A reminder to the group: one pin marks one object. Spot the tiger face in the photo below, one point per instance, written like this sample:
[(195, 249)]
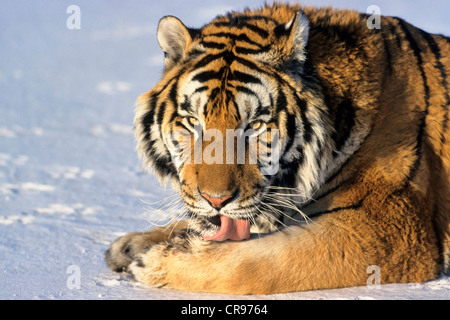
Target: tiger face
[(236, 118)]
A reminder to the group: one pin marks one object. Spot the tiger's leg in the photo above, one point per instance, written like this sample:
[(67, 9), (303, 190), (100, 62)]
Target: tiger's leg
[(333, 251), (124, 249)]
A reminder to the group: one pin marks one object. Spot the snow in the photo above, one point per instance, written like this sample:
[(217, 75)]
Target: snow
[(70, 180)]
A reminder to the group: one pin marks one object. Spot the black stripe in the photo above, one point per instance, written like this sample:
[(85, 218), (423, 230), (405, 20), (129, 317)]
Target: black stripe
[(258, 109), (261, 32), (354, 206), (250, 65), (396, 34), (186, 105), (236, 20), (149, 118), (307, 128), (207, 60), (241, 50), (440, 245), (161, 111), (291, 128), (281, 102), (228, 56), (230, 100), (231, 105), (179, 123), (165, 166), (319, 154), (437, 54), (271, 99), (344, 121), (253, 66), (173, 94), (263, 111), (387, 51), (150, 150), (231, 36), (229, 97), (290, 173), (160, 118), (444, 130), (212, 45), (210, 75), (201, 89), (245, 77), (173, 116), (417, 53), (147, 122), (213, 96), (247, 91)]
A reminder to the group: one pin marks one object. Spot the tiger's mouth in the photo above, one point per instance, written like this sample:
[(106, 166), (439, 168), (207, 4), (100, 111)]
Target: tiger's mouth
[(228, 229), (215, 220)]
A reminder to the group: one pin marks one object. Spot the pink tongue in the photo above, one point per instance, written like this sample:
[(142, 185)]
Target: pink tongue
[(231, 229)]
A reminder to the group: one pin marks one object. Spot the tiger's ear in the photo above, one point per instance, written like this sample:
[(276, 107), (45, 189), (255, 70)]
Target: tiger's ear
[(174, 38), (295, 34)]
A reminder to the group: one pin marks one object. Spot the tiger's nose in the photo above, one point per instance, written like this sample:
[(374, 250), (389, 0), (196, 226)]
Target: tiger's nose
[(217, 202)]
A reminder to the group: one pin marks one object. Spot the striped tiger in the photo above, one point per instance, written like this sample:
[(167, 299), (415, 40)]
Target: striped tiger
[(362, 177)]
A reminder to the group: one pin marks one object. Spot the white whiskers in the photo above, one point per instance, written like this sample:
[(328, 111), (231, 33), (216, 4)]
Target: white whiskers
[(165, 211), (279, 198)]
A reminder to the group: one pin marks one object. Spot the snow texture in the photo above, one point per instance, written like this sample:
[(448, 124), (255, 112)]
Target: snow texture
[(70, 180)]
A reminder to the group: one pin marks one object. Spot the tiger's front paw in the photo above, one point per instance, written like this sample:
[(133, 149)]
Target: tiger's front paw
[(162, 264), (123, 250)]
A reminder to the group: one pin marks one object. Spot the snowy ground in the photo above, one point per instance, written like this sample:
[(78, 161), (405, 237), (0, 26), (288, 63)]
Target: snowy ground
[(70, 181)]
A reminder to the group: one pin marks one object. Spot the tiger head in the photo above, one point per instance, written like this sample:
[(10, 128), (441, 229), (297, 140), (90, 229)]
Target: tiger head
[(242, 80)]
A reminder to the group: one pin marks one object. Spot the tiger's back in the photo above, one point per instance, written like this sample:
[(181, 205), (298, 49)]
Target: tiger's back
[(398, 73)]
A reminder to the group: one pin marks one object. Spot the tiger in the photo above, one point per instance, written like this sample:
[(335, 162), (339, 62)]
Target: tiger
[(360, 191)]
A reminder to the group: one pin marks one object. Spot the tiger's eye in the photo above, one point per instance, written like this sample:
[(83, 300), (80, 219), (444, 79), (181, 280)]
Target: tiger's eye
[(193, 121), (256, 125)]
